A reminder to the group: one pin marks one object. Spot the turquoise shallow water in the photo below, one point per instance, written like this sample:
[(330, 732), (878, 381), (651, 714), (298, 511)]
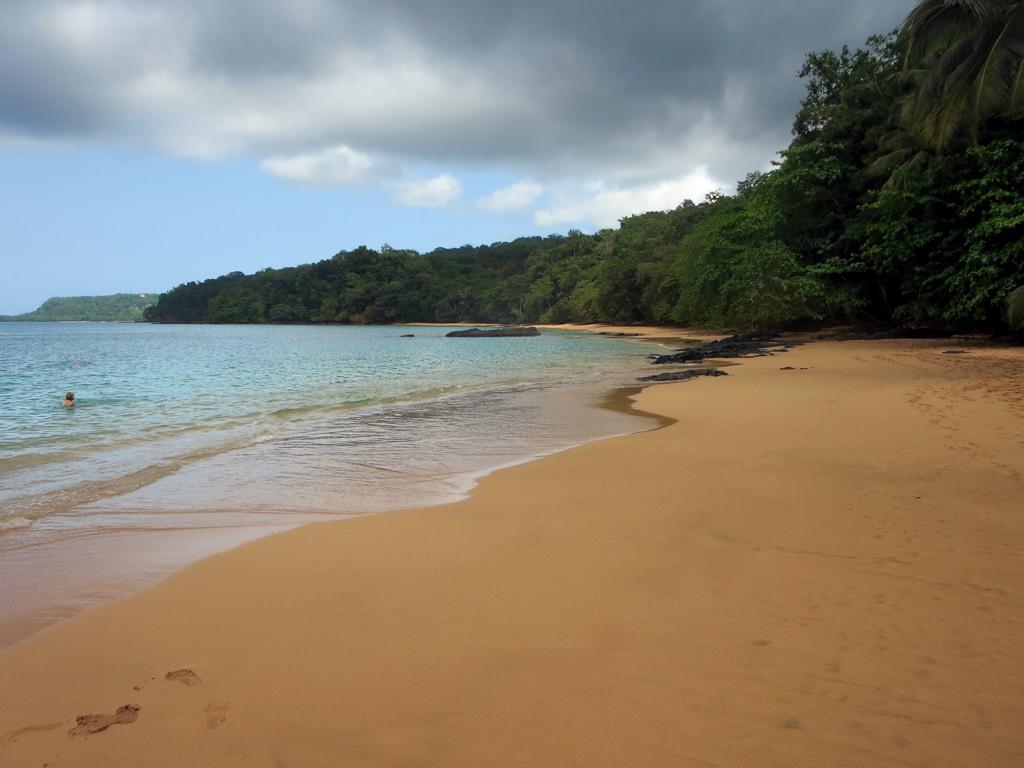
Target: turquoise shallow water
[(219, 433)]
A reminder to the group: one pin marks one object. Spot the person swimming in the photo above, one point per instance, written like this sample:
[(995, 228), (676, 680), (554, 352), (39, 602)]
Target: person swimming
[(69, 400)]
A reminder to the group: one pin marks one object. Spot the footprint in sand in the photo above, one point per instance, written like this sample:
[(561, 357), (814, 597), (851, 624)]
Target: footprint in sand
[(12, 736), (90, 724), (216, 714), (183, 676)]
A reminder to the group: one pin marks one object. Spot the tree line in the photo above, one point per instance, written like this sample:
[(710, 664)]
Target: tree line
[(899, 201), (121, 307)]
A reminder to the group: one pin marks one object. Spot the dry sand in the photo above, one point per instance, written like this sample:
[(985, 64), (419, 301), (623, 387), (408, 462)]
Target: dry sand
[(648, 332), (814, 567)]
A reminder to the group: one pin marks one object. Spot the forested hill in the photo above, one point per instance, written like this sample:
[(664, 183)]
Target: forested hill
[(900, 200), (118, 306)]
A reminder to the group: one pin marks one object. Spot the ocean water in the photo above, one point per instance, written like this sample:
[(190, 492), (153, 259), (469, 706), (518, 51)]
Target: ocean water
[(185, 440)]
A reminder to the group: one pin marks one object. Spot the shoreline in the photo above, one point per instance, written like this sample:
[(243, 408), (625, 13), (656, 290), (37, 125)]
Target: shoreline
[(806, 567), (193, 545), (114, 563)]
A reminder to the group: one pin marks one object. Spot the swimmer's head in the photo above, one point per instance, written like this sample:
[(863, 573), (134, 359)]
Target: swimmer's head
[(69, 396)]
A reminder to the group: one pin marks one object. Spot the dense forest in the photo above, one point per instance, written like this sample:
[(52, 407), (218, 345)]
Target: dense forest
[(118, 306), (899, 202)]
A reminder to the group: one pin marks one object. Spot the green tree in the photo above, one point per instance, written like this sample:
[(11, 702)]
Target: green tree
[(734, 270)]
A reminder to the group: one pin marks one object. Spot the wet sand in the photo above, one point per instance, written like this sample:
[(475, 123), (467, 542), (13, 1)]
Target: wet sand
[(54, 581), (821, 566)]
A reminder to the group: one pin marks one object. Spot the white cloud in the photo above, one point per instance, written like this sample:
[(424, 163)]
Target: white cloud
[(604, 204), (438, 192), (518, 195), (532, 88), (336, 166)]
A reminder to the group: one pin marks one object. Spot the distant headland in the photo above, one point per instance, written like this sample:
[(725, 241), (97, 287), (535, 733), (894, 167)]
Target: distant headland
[(124, 307)]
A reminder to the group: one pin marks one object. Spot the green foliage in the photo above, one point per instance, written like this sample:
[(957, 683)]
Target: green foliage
[(734, 270), (947, 243), (838, 83), (116, 307), (992, 210), (621, 275)]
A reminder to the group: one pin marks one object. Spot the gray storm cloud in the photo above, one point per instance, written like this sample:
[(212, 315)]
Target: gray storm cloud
[(630, 93)]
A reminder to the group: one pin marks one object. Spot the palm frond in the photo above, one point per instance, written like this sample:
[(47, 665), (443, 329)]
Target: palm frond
[(933, 26), (902, 175), (965, 64), (888, 163), (1017, 89), (895, 140), (1005, 43), (983, 8), (1015, 309), (938, 109)]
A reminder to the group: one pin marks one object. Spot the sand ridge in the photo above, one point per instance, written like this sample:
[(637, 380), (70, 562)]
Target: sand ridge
[(818, 566)]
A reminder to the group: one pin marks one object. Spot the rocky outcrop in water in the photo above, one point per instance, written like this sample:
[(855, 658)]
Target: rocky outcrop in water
[(488, 333)]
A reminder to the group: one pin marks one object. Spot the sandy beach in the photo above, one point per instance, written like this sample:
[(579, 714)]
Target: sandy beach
[(820, 566)]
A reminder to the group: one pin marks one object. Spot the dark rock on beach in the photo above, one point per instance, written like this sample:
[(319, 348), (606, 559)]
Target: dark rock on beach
[(753, 344), (693, 373), (617, 333), (478, 333)]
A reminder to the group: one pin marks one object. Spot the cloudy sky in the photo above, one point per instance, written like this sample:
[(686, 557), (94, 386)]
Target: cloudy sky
[(145, 143)]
